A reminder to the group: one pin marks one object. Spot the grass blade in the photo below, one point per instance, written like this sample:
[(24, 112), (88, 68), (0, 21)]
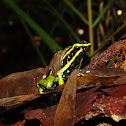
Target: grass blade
[(53, 10), (90, 26), (34, 45), (45, 37), (76, 11)]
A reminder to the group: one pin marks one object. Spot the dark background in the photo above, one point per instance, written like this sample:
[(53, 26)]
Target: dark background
[(16, 50)]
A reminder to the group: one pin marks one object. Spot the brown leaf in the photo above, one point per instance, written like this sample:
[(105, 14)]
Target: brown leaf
[(94, 77), (105, 77), (84, 103), (118, 91), (94, 80), (104, 72), (83, 106), (85, 100), (10, 101), (66, 108), (21, 83)]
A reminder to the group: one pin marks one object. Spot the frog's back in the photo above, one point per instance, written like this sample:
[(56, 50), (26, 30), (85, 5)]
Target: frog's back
[(57, 61)]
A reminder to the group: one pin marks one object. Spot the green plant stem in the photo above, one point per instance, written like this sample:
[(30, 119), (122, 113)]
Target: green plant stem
[(33, 43), (45, 37), (91, 38), (76, 11)]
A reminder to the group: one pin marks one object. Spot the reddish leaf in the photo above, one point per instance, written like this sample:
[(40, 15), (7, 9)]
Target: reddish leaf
[(46, 116), (118, 91), (112, 106), (109, 54), (84, 103)]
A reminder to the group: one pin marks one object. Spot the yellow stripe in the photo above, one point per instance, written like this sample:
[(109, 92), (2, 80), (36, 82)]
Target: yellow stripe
[(76, 45), (69, 63)]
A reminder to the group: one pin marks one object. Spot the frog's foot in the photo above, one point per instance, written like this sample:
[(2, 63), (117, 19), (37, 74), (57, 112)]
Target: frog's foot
[(80, 74), (40, 89)]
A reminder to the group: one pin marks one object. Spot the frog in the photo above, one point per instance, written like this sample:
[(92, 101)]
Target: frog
[(62, 65)]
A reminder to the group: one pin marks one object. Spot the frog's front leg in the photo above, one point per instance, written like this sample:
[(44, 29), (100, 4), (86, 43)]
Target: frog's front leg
[(45, 83), (41, 84), (60, 73)]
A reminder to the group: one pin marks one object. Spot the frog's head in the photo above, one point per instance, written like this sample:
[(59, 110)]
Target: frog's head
[(77, 51), (83, 45)]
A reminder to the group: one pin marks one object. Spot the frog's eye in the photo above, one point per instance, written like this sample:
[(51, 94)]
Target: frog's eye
[(85, 48), (76, 48)]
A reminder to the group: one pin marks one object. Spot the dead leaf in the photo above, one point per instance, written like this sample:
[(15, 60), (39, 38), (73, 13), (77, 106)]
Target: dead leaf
[(10, 101), (84, 103), (112, 106), (85, 99), (118, 91), (66, 108), (94, 80), (46, 116), (21, 83), (115, 52), (104, 72), (83, 106)]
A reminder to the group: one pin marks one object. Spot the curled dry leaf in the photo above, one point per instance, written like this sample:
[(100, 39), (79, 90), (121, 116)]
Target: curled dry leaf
[(66, 108), (104, 72), (95, 77)]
